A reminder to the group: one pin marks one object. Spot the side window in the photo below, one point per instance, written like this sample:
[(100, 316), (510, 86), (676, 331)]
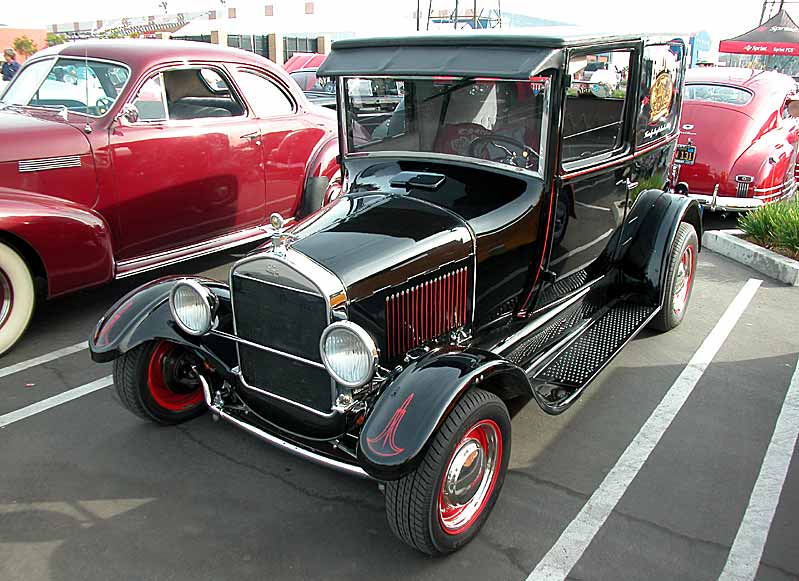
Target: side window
[(593, 122), (264, 96), (150, 100), (659, 108), (199, 93)]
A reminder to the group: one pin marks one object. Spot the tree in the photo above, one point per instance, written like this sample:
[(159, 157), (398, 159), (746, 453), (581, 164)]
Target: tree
[(24, 46), (54, 39)]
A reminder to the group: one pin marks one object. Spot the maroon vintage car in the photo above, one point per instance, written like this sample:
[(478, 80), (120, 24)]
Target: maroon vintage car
[(737, 147), (117, 157)]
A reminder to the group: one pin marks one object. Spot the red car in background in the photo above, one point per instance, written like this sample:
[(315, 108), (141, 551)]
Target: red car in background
[(118, 157), (737, 145)]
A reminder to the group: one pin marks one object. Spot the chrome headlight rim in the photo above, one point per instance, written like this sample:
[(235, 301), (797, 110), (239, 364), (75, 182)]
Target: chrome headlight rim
[(208, 300), (364, 337)]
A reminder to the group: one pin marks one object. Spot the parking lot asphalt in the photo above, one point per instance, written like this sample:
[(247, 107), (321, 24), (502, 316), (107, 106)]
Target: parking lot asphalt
[(88, 491)]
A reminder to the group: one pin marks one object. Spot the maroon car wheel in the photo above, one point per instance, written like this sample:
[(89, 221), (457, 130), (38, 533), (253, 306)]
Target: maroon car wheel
[(159, 381), (679, 279), (443, 503), (17, 297)]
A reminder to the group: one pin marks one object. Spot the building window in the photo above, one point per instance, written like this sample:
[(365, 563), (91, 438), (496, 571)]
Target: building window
[(231, 13), (309, 7), (269, 10), (212, 15)]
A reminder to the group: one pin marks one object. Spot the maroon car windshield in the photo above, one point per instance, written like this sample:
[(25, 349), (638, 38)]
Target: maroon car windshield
[(488, 119)]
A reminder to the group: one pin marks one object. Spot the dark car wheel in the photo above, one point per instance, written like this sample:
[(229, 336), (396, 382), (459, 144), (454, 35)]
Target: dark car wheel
[(679, 279), (440, 506), (158, 381)]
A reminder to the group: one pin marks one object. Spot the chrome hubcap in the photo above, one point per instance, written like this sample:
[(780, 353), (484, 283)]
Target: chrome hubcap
[(682, 280), (6, 297), (469, 477)]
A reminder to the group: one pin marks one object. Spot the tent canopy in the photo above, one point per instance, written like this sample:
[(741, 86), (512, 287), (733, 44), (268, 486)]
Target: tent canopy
[(778, 35)]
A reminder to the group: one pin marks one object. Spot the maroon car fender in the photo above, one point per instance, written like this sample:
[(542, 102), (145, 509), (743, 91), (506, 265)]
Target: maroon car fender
[(767, 161), (72, 243), (321, 168)]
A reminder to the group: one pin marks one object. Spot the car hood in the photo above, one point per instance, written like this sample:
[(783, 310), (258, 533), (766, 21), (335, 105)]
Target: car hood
[(377, 241), (25, 135), (703, 124)]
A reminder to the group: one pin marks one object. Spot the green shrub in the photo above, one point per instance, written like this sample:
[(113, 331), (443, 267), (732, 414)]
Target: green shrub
[(774, 226)]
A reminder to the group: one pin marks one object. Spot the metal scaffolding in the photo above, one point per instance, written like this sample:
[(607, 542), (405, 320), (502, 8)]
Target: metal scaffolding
[(476, 17)]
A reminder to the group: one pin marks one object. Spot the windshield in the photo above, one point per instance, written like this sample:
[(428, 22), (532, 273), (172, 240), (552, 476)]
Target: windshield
[(717, 94), (495, 120), (89, 87)]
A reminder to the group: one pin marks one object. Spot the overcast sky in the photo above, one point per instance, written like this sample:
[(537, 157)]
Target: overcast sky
[(723, 18)]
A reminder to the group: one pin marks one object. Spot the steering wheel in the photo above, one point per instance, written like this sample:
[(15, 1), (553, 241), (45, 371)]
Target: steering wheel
[(514, 152), (104, 104)]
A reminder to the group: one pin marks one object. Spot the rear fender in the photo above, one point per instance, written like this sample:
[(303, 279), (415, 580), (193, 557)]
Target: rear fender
[(320, 170), (143, 315), (418, 400), (649, 235), (73, 243)]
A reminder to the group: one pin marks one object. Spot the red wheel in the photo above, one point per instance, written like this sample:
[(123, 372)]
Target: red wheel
[(159, 381), (443, 503), (679, 279)]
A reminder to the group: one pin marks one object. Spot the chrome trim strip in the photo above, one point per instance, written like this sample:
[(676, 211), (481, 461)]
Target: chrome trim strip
[(46, 163), (783, 185), (267, 349), (128, 268), (534, 325), (280, 443), (291, 288)]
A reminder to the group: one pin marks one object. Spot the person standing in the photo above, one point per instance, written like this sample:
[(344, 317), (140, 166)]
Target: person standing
[(11, 66)]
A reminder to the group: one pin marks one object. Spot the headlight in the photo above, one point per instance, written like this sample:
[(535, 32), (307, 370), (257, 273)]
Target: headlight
[(192, 307), (349, 353)]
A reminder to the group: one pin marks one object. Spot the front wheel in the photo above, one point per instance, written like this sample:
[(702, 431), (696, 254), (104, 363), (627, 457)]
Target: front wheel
[(679, 278), (17, 297), (159, 381), (441, 506)]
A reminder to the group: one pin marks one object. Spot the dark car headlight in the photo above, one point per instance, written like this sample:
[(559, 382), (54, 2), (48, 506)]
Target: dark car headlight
[(193, 307), (349, 353)]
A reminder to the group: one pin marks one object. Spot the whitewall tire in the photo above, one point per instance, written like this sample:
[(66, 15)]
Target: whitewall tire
[(17, 297)]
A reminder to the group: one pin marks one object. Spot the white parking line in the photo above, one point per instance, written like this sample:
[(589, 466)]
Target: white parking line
[(747, 548), (573, 542), (56, 400), (23, 365)]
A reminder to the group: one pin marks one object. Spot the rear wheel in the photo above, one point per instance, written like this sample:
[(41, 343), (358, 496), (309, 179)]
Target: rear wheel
[(17, 297), (159, 381), (441, 506), (679, 278)]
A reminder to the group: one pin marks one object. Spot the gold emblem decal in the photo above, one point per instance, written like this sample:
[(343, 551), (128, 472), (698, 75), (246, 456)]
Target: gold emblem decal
[(660, 96)]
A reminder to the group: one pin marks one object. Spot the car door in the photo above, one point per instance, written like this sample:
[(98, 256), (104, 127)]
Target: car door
[(288, 136), (594, 177), (190, 169)]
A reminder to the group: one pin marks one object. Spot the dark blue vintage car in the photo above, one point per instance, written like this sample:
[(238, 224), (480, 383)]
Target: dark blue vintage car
[(499, 238)]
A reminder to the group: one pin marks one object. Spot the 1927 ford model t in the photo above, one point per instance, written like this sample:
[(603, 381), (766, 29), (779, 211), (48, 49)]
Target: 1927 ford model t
[(500, 237)]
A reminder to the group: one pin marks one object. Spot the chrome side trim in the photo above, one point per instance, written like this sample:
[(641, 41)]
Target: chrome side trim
[(267, 349), (134, 266), (279, 442), (538, 322), (46, 163)]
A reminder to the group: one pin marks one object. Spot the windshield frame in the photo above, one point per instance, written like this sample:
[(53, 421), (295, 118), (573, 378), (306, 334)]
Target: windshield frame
[(544, 145), (55, 58)]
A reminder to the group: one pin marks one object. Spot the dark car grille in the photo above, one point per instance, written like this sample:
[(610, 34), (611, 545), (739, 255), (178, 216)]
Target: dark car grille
[(426, 310), (291, 322)]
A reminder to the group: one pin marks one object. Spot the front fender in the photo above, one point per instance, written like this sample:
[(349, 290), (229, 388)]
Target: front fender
[(72, 242), (419, 399), (143, 315), (648, 237)]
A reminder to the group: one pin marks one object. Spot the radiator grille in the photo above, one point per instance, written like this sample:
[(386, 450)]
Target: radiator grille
[(743, 190), (425, 311)]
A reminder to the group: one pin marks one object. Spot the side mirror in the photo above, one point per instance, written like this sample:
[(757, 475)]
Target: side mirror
[(129, 113)]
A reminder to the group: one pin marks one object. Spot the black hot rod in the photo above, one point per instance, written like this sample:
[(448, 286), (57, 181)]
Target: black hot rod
[(499, 239)]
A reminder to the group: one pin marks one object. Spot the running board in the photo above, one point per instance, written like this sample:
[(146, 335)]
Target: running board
[(561, 374)]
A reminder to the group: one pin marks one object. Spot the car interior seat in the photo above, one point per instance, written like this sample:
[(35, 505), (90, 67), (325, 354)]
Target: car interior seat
[(189, 98)]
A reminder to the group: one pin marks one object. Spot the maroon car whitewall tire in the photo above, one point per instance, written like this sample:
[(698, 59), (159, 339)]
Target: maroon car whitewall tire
[(17, 297)]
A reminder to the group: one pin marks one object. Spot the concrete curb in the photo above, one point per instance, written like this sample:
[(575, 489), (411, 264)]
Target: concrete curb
[(728, 243)]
